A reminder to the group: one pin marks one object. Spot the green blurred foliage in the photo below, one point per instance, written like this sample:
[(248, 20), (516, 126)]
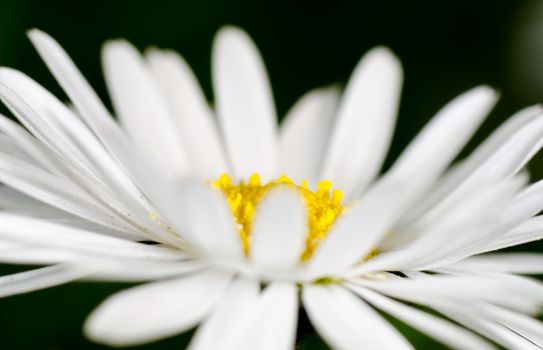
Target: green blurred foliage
[(446, 47)]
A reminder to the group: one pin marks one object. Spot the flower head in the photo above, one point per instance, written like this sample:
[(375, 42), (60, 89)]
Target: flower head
[(236, 222)]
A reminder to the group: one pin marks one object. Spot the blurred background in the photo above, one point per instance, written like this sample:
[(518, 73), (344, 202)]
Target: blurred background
[(446, 48)]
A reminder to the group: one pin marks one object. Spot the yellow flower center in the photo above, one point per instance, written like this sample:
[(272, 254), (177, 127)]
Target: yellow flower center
[(323, 206)]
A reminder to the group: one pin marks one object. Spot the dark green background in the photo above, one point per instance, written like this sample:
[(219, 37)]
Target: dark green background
[(446, 47)]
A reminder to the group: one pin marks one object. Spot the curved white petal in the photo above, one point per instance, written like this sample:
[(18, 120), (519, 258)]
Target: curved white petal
[(85, 100), (495, 332), (156, 310), (365, 122), (9, 146), (358, 230), (75, 160), (525, 326), (519, 211), (524, 263), (29, 144), (505, 162), (279, 230), (274, 324), (244, 104), (194, 120), (73, 149), (231, 320), (95, 114), (42, 278), (15, 201), (205, 219), (141, 108), (44, 233), (498, 148), (12, 252), (436, 291), (346, 322), (83, 224), (529, 231), (446, 134), (305, 132), (142, 270), (55, 191), (500, 229), (464, 224), (142, 168), (440, 329)]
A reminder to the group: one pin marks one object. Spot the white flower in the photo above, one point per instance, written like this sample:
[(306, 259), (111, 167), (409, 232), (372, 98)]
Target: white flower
[(146, 200)]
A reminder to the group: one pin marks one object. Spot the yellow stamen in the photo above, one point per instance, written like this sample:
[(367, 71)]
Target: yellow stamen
[(323, 208), (372, 254)]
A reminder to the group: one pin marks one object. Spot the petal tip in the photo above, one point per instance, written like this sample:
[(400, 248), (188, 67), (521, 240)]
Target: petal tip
[(384, 54), (231, 35), (118, 44), (35, 33), (487, 90), (230, 29)]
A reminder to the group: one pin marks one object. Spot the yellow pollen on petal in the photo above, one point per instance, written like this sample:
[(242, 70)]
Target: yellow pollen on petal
[(323, 206)]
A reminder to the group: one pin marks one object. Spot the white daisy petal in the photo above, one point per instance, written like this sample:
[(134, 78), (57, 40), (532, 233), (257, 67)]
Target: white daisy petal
[(495, 332), (244, 105), (15, 201), (143, 271), (194, 119), (529, 231), (8, 146), (304, 134), (520, 209), (86, 225), (443, 138), (45, 277), (526, 326), (508, 149), (365, 122), (279, 230), (462, 225), (440, 329), (53, 190), (519, 224), (12, 252), (29, 102), (46, 234), (26, 142), (59, 128), (26, 253), (357, 231), (217, 238), (42, 188), (82, 158), (525, 263), (78, 89), (157, 310), (141, 167), (92, 110), (346, 322), (511, 157), (506, 162), (229, 323), (141, 108), (446, 290), (274, 326), (156, 187)]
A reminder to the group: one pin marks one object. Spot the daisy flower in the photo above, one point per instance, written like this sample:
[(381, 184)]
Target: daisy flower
[(237, 223)]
